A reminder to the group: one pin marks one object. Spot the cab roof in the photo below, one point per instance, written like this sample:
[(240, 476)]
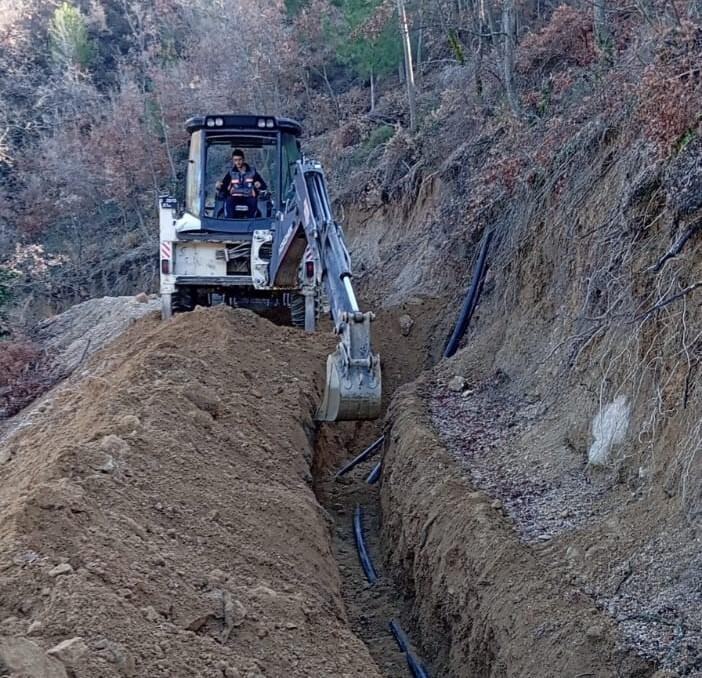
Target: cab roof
[(255, 123)]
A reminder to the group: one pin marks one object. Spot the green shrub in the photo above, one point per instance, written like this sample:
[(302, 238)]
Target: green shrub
[(380, 135), (6, 279), (70, 43)]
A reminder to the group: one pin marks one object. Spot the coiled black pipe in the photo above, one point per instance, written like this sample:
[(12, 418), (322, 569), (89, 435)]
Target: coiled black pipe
[(363, 556), (471, 299), (374, 474), (373, 447), (415, 666)]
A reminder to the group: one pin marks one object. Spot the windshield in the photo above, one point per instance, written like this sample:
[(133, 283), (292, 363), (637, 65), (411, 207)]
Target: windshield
[(192, 184), (249, 189)]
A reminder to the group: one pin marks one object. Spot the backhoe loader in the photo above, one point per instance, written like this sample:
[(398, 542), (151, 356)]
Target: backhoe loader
[(276, 249)]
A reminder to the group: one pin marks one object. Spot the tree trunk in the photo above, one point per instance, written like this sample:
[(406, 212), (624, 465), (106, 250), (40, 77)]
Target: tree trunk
[(166, 142), (420, 40), (603, 40), (372, 91), (409, 70), (479, 63), (487, 19), (481, 28), (330, 89), (508, 54)]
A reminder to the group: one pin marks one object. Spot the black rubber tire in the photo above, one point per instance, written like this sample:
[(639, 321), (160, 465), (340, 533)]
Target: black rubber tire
[(181, 300), (297, 310), (185, 299), (297, 307)]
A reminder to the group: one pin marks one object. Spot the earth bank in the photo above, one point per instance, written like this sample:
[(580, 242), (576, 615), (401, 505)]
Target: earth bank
[(158, 513)]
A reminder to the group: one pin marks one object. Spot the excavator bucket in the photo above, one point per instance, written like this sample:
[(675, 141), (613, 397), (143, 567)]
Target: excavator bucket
[(351, 391)]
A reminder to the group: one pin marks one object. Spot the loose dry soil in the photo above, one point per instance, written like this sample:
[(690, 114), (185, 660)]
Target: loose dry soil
[(159, 515)]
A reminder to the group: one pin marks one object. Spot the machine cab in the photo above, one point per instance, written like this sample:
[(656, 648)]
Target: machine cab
[(270, 147)]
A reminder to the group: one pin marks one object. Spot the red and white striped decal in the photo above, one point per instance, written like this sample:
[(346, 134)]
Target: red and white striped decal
[(165, 250)]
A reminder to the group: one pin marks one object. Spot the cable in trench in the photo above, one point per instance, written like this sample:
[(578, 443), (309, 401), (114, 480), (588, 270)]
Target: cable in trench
[(363, 555), (415, 666), (370, 450)]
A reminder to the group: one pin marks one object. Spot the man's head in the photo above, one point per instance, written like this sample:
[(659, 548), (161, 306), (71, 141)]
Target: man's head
[(238, 159)]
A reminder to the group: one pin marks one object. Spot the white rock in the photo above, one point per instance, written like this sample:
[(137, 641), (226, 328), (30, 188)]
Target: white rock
[(457, 384), (35, 627), (23, 657), (595, 632), (406, 324), (63, 568), (69, 651), (110, 466), (113, 444), (150, 613), (129, 422), (608, 429)]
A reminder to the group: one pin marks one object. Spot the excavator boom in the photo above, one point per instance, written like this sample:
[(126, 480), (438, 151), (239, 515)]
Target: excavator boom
[(353, 383)]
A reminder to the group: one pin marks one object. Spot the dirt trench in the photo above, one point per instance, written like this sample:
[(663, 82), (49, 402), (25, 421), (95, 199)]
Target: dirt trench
[(401, 335), (171, 510)]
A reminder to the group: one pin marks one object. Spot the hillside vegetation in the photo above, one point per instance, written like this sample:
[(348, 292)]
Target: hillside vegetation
[(93, 96)]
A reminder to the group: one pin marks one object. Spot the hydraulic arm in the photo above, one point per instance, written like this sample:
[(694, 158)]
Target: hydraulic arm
[(353, 385)]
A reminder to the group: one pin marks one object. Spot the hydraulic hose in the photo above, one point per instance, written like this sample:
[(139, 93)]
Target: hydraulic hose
[(372, 448), (374, 474), (471, 299), (363, 556)]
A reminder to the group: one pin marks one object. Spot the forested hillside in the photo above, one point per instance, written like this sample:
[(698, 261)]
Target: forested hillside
[(93, 96)]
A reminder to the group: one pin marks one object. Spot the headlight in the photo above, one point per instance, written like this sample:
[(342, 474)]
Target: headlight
[(261, 122), (210, 122), (219, 122), (270, 123)]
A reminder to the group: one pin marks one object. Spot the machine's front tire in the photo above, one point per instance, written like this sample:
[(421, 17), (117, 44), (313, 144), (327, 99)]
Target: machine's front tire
[(182, 300), (185, 299), (297, 310), (306, 309)]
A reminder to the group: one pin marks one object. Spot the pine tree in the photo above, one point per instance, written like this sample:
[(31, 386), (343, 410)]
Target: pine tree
[(71, 46)]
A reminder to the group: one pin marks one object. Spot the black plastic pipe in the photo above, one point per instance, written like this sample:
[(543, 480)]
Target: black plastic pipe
[(415, 666), (471, 299), (374, 474), (363, 556), (373, 447), (400, 637)]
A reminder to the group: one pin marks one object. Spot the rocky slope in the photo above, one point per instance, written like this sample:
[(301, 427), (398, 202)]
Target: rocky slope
[(577, 404)]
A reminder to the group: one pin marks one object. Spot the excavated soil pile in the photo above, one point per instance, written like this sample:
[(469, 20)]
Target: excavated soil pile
[(157, 518)]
